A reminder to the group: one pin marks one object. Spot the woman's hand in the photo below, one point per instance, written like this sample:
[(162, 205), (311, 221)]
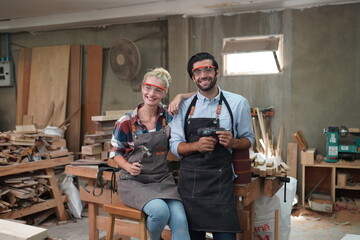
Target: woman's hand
[(135, 169)]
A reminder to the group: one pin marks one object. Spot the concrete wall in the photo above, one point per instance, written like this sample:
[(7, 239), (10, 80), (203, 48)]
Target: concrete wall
[(149, 37), (319, 86)]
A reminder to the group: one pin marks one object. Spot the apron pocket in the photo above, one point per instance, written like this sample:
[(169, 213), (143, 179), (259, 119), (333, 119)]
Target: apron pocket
[(198, 183)]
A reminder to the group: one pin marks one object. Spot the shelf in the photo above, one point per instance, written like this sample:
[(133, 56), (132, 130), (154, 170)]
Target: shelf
[(57, 199), (38, 165), (340, 164), (348, 187), (313, 173), (38, 207)]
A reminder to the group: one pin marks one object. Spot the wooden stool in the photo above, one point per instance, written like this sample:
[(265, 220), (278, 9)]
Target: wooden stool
[(120, 210)]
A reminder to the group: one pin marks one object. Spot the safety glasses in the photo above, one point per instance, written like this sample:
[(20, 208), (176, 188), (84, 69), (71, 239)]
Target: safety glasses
[(205, 69), (148, 87)]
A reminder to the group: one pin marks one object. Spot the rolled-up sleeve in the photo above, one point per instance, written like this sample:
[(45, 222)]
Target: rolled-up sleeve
[(119, 139), (244, 125), (177, 129)]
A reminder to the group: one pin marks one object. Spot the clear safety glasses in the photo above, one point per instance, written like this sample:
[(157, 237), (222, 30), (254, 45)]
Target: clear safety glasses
[(205, 69), (148, 87)]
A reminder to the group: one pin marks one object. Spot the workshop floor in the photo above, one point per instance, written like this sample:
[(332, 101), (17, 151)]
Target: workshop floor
[(313, 225), (305, 224)]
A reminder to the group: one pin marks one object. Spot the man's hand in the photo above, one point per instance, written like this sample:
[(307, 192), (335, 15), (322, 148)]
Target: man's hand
[(205, 144), (226, 138), (173, 107), (135, 169)]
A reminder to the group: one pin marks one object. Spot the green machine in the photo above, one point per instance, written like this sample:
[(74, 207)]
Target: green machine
[(335, 150)]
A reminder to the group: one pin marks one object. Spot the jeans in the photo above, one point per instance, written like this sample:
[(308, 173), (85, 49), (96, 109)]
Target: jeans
[(166, 211), (200, 235)]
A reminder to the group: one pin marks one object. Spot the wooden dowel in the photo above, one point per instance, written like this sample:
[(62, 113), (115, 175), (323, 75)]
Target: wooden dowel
[(276, 232)]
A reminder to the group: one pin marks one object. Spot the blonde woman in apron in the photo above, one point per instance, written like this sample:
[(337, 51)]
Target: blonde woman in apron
[(140, 145)]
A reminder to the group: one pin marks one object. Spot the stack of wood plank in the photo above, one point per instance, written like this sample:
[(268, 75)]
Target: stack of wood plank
[(22, 191), (97, 145), (268, 161), (27, 144), (263, 136), (269, 167)]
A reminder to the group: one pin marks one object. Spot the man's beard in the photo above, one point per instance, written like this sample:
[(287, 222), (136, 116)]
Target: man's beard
[(211, 85)]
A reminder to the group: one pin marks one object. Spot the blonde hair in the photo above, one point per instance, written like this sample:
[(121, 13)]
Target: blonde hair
[(161, 74)]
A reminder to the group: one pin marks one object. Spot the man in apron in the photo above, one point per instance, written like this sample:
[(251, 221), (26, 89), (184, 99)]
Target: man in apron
[(206, 175)]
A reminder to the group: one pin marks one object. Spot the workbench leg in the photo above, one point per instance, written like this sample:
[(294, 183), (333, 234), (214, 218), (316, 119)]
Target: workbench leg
[(110, 228), (248, 234), (246, 218), (57, 195), (93, 212)]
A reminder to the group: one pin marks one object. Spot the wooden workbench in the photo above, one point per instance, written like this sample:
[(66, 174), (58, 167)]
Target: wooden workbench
[(246, 195), (247, 192)]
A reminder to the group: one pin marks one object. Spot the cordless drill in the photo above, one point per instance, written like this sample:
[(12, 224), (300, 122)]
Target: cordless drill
[(209, 132)]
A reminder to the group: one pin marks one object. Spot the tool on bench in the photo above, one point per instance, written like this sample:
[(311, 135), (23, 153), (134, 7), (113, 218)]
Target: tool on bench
[(335, 150), (284, 180)]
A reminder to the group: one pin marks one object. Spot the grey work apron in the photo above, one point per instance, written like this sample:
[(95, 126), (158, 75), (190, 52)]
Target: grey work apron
[(205, 183), (155, 181)]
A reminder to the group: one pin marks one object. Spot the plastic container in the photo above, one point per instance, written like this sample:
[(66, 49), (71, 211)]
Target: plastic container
[(321, 202)]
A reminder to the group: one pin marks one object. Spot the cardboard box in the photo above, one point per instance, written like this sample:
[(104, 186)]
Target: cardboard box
[(308, 156), (342, 179), (321, 202)]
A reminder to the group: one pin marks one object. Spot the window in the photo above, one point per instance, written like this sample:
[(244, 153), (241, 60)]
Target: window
[(252, 55)]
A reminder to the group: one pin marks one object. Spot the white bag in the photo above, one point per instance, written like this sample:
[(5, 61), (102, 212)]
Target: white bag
[(73, 194), (264, 221), (286, 207), (264, 217)]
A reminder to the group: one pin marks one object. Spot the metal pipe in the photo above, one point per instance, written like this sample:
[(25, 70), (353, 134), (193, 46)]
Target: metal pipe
[(7, 47)]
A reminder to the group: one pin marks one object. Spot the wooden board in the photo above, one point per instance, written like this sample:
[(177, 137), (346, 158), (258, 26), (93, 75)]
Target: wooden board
[(35, 208), (18, 231), (87, 172), (291, 159), (249, 192), (31, 166), (92, 105), (105, 118), (271, 186), (91, 149), (107, 196), (117, 113), (23, 82), (48, 84), (73, 110), (298, 136)]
